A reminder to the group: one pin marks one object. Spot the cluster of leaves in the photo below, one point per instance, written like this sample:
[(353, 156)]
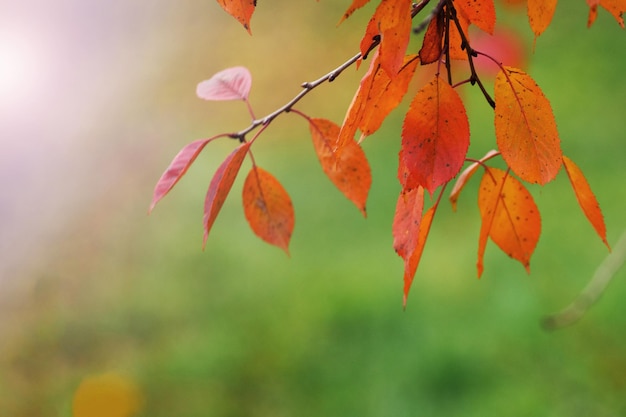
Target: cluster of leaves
[(434, 138)]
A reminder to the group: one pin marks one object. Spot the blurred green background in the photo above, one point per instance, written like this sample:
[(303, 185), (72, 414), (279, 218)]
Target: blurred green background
[(96, 100)]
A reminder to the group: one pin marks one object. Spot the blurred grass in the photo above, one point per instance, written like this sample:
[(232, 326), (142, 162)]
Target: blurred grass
[(240, 330)]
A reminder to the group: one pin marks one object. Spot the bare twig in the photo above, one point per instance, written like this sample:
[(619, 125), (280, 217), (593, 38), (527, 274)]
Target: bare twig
[(592, 292)]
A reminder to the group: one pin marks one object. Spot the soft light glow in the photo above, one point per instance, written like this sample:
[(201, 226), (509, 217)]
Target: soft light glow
[(22, 70)]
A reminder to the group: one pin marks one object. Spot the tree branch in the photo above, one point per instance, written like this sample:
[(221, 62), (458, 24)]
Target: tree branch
[(592, 292)]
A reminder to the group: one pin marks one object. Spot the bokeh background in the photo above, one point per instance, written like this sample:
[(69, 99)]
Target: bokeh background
[(95, 100)]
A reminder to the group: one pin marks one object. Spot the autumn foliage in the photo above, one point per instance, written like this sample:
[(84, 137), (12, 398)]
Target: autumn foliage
[(435, 134)]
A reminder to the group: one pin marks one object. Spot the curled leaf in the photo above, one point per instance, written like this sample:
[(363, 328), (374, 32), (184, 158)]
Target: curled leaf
[(586, 199), (230, 84), (465, 176), (220, 186), (509, 216), (268, 208), (526, 131), (345, 166)]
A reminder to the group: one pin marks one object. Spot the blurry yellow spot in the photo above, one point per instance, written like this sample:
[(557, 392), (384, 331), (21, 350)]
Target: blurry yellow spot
[(107, 395)]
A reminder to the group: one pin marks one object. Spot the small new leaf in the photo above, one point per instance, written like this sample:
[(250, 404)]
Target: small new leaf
[(509, 216), (586, 198), (220, 186), (268, 208), (526, 131), (345, 166), (230, 84)]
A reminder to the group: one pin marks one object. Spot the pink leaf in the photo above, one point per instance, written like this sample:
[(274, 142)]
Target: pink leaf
[(221, 184), (178, 167), (230, 84)]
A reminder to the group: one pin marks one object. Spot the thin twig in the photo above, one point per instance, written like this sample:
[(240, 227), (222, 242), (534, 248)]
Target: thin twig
[(307, 87), (592, 292), (471, 54), (433, 13)]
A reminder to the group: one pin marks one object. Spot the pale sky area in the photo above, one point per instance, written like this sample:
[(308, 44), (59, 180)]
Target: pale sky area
[(67, 68)]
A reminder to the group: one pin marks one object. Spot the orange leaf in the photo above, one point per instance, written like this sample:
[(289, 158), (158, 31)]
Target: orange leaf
[(392, 21), (466, 175), (376, 97), (356, 4), (268, 208), (615, 7), (526, 131), (239, 9), (410, 230), (435, 137), (586, 198), (346, 166), (540, 14), (432, 44), (481, 13), (509, 216), (220, 186)]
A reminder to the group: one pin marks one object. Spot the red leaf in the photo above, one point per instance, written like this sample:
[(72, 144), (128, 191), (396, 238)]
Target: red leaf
[(347, 166), (466, 175), (392, 21), (432, 44), (376, 97), (410, 230), (586, 198), (435, 137), (509, 216), (481, 13), (230, 84), (177, 168), (239, 9), (268, 208), (540, 14), (220, 186), (526, 131), (615, 7), (406, 222), (356, 4)]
